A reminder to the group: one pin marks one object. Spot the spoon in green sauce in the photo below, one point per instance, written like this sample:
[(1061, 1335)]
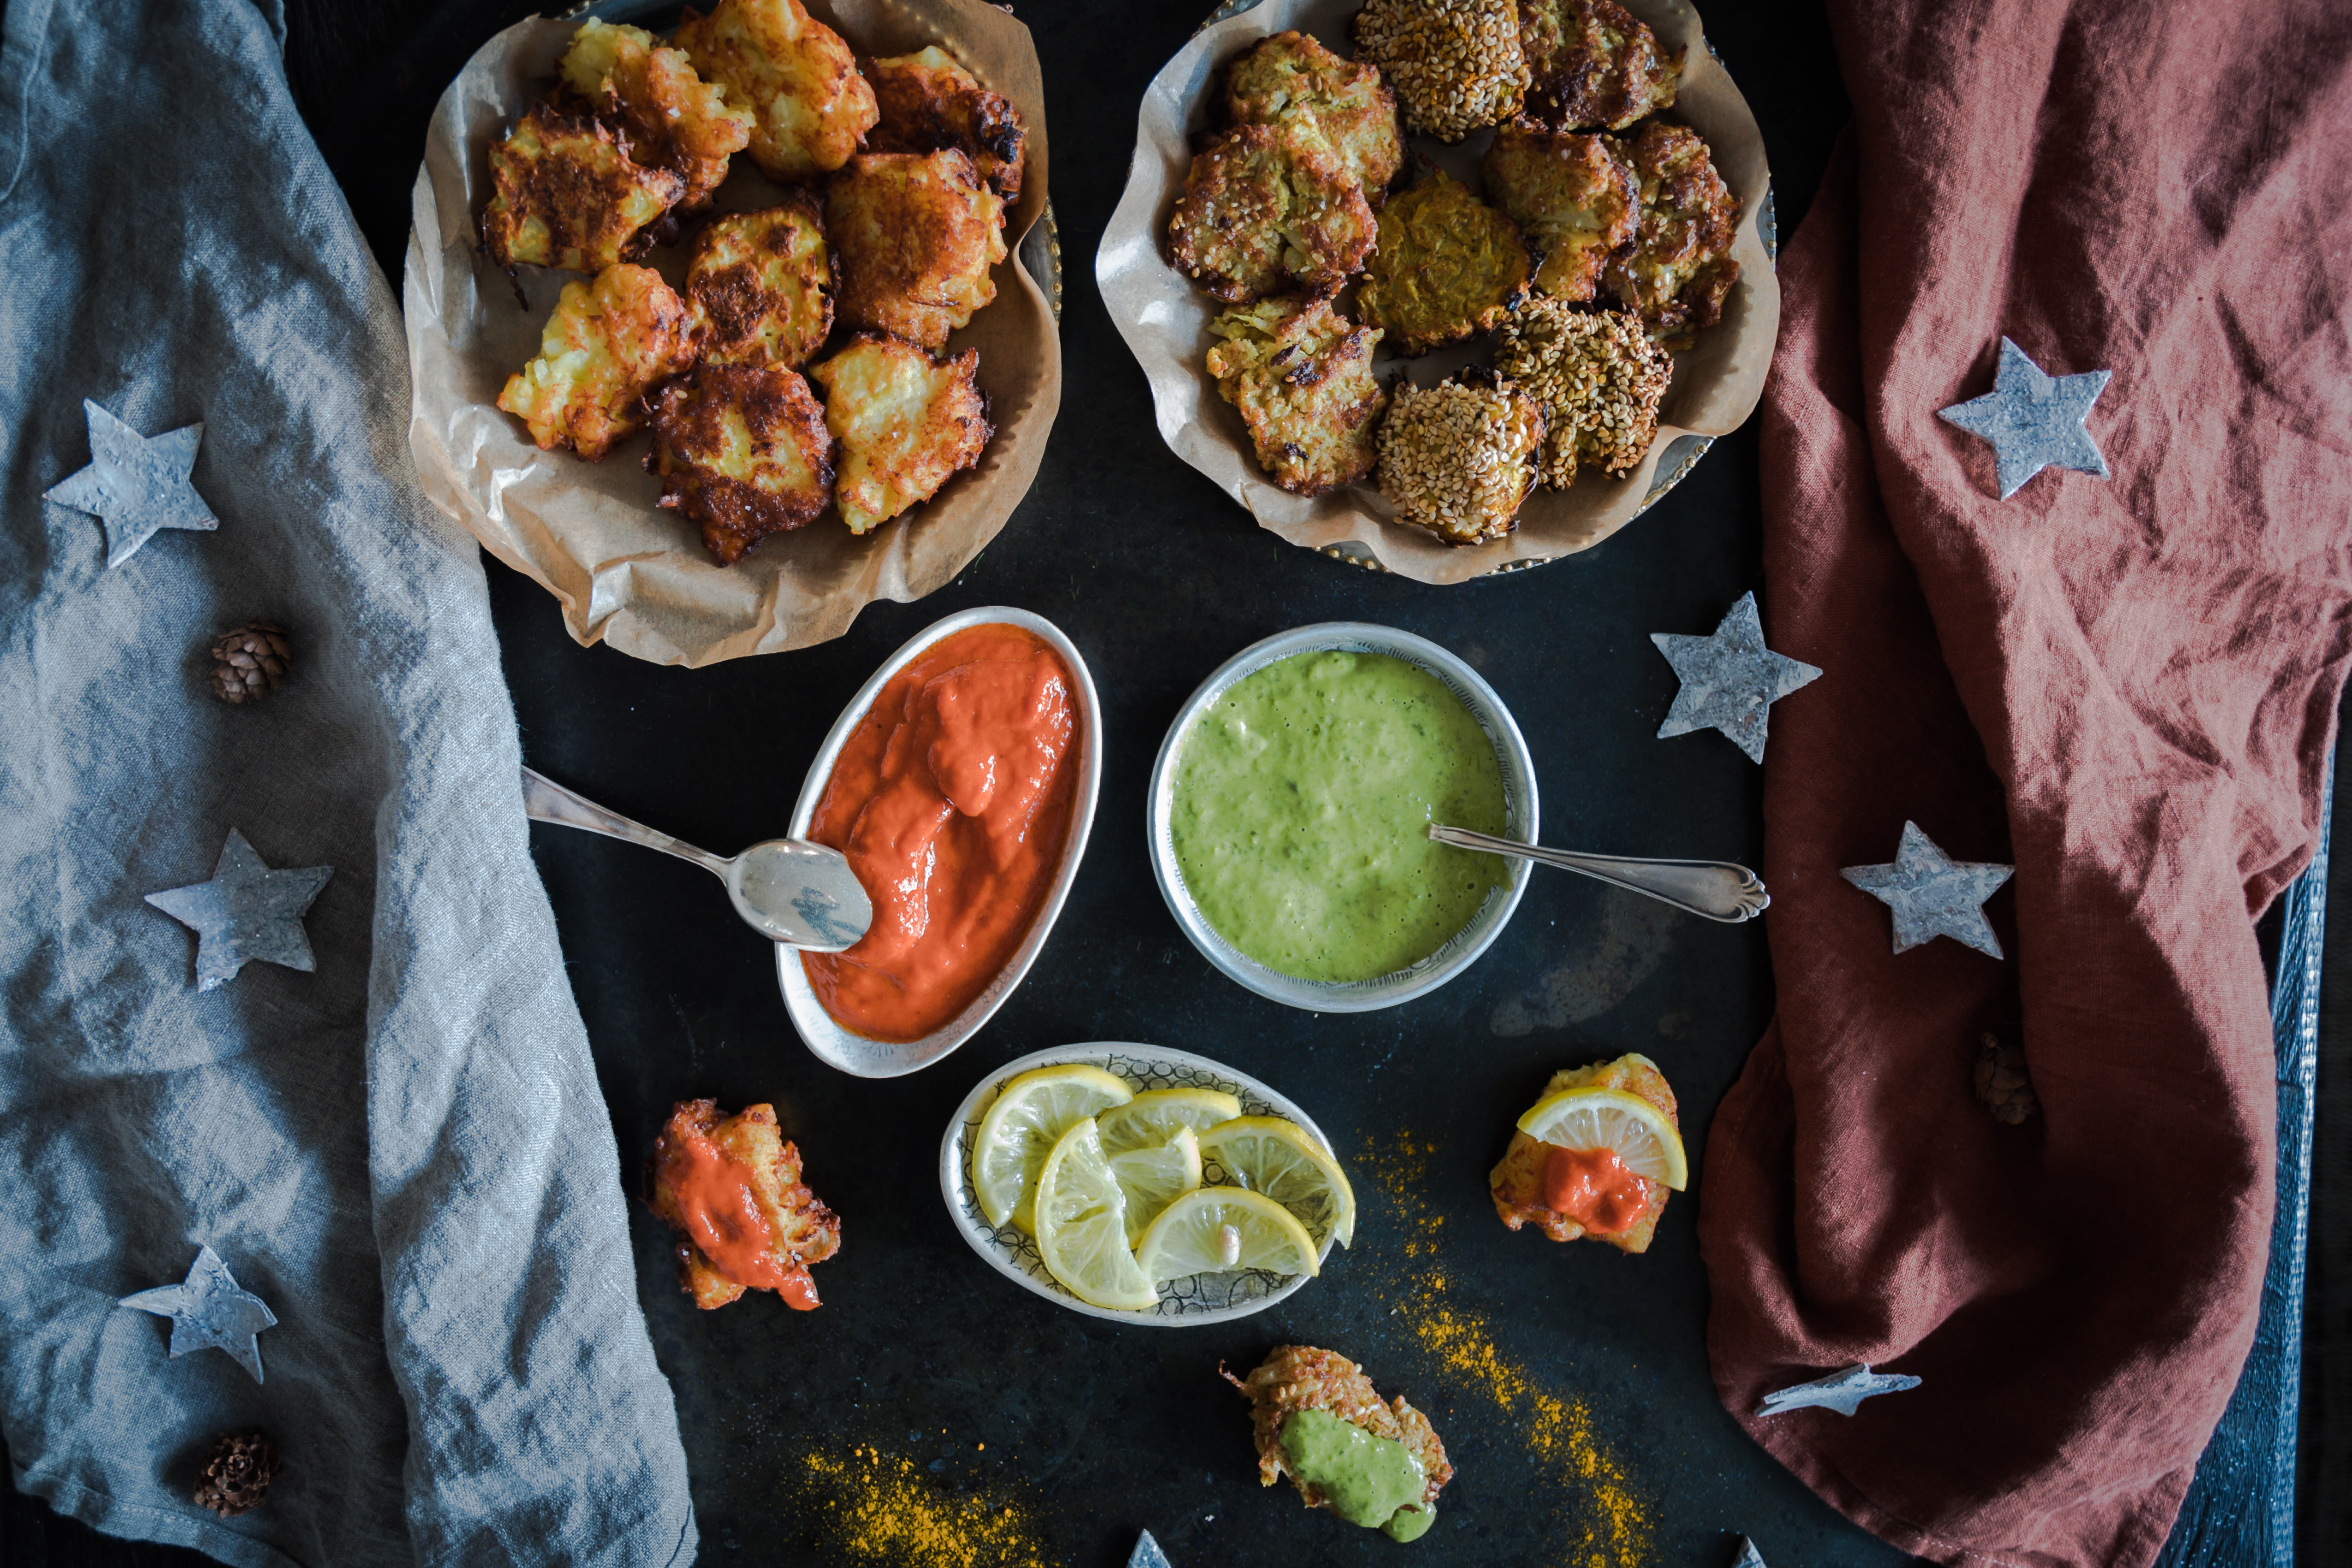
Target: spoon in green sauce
[(1713, 890)]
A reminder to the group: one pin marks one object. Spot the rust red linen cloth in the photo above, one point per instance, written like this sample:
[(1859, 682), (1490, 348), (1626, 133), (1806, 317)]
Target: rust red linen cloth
[(2127, 688)]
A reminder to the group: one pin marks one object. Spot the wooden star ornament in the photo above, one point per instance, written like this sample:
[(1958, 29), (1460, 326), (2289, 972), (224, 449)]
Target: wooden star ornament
[(2034, 420), (1729, 679), (1932, 894), (1842, 1392), (247, 911), (209, 1311), (136, 485)]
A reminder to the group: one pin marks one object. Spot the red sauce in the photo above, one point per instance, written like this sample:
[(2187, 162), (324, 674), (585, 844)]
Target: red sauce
[(1592, 1187), (722, 1213), (952, 802)]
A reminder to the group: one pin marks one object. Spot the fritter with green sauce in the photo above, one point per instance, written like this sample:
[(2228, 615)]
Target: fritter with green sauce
[(606, 344), (929, 102), (1679, 267), (1574, 197), (1593, 64), (796, 76), (915, 235), (1268, 208), (566, 194), (1302, 1378), (761, 285), (1598, 377), (1292, 74), (671, 118), (741, 451), (905, 421), (1447, 265), (1301, 374), (1459, 459), (1455, 64)]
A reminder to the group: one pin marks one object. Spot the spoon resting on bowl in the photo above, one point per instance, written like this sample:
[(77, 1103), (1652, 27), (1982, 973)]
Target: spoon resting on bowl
[(1713, 890), (792, 892)]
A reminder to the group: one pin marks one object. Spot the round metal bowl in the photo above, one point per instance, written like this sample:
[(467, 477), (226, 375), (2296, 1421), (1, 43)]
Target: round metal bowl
[(1463, 948)]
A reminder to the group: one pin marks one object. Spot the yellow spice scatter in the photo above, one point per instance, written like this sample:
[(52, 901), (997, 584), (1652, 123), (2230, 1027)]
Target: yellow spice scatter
[(881, 1509)]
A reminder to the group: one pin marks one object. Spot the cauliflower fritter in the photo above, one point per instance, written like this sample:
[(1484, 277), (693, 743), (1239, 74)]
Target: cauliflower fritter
[(1591, 63), (1455, 64), (1598, 377), (778, 1224), (1518, 1180), (608, 341), (1447, 265), (1459, 459), (906, 423), (1270, 206), (761, 285), (915, 234), (796, 76), (929, 103), (1301, 1377), (1679, 267), (671, 118), (744, 451), (1292, 74), (566, 194), (1574, 196), (1301, 374)]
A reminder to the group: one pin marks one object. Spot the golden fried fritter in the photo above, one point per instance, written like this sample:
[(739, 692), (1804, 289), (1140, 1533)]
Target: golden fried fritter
[(761, 285), (1447, 266), (793, 73), (1459, 459), (929, 102), (1593, 63), (605, 345), (566, 194), (1679, 267), (907, 422), (1455, 64), (915, 233), (1291, 74), (1518, 1180), (1270, 206), (1598, 377), (1301, 1377), (671, 118), (1301, 374), (1574, 197), (733, 1186), (742, 450)]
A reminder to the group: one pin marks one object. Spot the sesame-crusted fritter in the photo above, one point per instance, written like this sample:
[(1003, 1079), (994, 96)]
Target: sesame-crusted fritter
[(1573, 197), (1291, 73), (929, 102), (802, 1230), (915, 235), (671, 118), (1679, 267), (1266, 207), (794, 73), (1302, 1378), (1598, 377), (1447, 265), (742, 450), (907, 422), (1517, 1182), (1455, 64), (1458, 458), (1591, 63), (607, 343), (1301, 374), (761, 285), (566, 194)]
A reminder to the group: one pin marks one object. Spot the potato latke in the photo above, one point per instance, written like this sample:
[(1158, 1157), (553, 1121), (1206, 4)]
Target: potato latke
[(905, 421), (1591, 64), (605, 345), (1458, 458), (761, 285), (1447, 265), (742, 451), (1301, 375), (1302, 1378), (1679, 269), (794, 73), (928, 103), (1574, 197), (1270, 206), (803, 1230), (915, 234), (671, 118), (1518, 1180), (567, 194), (1292, 74)]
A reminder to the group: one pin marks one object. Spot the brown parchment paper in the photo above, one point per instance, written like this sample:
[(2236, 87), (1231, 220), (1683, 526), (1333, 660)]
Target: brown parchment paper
[(626, 573), (1165, 320)]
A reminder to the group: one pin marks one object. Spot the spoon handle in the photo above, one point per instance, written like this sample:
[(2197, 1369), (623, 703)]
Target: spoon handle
[(1717, 889), (544, 800)]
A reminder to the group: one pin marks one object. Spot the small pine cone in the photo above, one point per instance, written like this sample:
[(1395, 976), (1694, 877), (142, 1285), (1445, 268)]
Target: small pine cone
[(251, 662), (238, 1474), (2002, 1083)]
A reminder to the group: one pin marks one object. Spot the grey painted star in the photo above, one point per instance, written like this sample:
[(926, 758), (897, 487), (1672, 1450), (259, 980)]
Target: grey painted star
[(1932, 894), (209, 1312), (1147, 1554), (2034, 420), (1730, 679), (1842, 1392), (1749, 1557), (136, 484), (247, 911)]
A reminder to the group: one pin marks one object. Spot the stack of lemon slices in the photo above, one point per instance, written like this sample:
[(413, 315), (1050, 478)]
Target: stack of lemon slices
[(1125, 1192)]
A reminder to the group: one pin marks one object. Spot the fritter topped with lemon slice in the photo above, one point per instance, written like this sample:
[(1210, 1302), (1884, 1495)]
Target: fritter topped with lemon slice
[(1447, 265), (605, 345), (1591, 63), (1679, 267), (907, 422), (928, 103), (1648, 1129), (761, 285), (1303, 1377), (780, 1227), (1598, 377), (742, 450), (1268, 208), (1301, 374), (1292, 74), (915, 234), (1458, 458), (794, 73), (1455, 64), (671, 118), (1574, 196), (566, 194)]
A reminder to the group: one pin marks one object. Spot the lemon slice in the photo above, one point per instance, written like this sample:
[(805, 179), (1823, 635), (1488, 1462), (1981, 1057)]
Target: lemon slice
[(1081, 1220), (1639, 1131), (1153, 1116), (1030, 1112), (1269, 1156), (1212, 1229), (1155, 1177)]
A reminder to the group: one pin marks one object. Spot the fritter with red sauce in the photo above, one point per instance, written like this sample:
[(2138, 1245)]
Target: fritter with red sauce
[(1518, 1180), (1291, 75), (566, 194), (1575, 197), (1678, 269), (733, 1185), (1301, 1377), (930, 103), (1593, 64), (608, 343), (671, 118), (1268, 208), (761, 285), (744, 451), (915, 234)]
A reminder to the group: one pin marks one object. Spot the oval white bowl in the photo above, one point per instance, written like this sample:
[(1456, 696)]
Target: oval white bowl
[(854, 1053), (1183, 1304)]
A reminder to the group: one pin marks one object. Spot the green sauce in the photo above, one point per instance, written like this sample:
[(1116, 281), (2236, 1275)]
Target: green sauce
[(1367, 1479), (1302, 803)]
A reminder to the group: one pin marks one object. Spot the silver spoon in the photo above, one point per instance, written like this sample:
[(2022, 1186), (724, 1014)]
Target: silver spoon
[(1717, 889), (788, 889)]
